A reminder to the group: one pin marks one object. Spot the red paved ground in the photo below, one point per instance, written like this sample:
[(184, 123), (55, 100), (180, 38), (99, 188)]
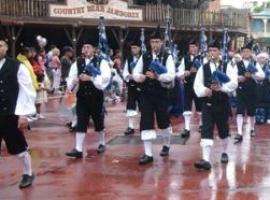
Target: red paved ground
[(117, 175)]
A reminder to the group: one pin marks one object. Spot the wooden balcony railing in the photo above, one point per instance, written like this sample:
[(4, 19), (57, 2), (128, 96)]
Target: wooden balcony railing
[(152, 14)]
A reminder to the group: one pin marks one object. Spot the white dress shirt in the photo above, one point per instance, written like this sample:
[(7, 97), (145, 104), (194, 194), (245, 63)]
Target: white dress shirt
[(100, 81), (200, 88), (27, 95)]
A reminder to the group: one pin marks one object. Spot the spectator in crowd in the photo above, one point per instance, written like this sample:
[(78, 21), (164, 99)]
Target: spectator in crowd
[(38, 63), (66, 62), (55, 66)]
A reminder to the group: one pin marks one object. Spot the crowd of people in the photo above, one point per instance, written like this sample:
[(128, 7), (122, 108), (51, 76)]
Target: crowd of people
[(239, 87)]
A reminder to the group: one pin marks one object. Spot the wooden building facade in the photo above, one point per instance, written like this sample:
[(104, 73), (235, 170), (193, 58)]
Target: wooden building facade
[(22, 20)]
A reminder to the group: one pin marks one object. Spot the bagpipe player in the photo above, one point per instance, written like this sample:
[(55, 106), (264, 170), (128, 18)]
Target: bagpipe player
[(134, 88), (248, 73), (187, 71), (154, 70), (213, 82), (91, 75)]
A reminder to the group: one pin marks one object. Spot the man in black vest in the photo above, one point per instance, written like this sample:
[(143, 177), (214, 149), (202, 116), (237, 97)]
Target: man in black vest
[(246, 92), (17, 100), (90, 97), (154, 101), (134, 90), (215, 104), (187, 72)]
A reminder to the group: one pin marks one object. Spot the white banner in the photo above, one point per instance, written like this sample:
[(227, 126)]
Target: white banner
[(114, 9)]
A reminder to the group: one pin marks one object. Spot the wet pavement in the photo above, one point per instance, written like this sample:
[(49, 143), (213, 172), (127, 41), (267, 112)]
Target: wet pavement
[(117, 175)]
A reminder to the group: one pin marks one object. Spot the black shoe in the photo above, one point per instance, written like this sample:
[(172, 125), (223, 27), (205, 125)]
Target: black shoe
[(203, 165), (164, 151), (224, 158), (145, 159), (238, 139), (185, 134), (200, 129), (129, 131), (75, 154), (26, 181), (101, 148), (73, 129), (252, 133), (68, 124)]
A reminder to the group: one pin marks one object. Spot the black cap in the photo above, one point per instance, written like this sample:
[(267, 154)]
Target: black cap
[(214, 44), (87, 39), (193, 41), (248, 45), (157, 34), (135, 43)]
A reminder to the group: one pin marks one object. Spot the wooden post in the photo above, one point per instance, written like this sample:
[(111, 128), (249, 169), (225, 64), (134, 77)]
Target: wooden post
[(120, 36), (13, 36), (74, 36)]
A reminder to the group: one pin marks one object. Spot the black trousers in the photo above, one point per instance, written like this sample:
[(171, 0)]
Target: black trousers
[(87, 106), (154, 106), (13, 137), (215, 115), (189, 96), (246, 102), (133, 99)]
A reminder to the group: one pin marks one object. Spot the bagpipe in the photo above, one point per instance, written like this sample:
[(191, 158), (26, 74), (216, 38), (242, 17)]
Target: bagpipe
[(169, 46), (92, 70), (267, 72), (157, 67), (133, 64), (103, 46), (225, 46), (142, 39), (252, 67), (197, 63), (220, 78)]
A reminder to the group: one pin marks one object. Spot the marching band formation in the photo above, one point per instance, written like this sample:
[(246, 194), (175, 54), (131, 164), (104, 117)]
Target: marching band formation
[(212, 78)]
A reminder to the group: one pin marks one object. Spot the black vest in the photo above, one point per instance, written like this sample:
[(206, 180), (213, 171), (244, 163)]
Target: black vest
[(87, 88), (249, 85), (218, 98), (153, 86), (9, 87), (188, 64)]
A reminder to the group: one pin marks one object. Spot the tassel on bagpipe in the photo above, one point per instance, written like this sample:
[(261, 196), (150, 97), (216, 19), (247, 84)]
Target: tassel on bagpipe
[(142, 39), (203, 44), (103, 41)]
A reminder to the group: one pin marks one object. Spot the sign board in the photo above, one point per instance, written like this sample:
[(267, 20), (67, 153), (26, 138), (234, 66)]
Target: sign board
[(112, 9)]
